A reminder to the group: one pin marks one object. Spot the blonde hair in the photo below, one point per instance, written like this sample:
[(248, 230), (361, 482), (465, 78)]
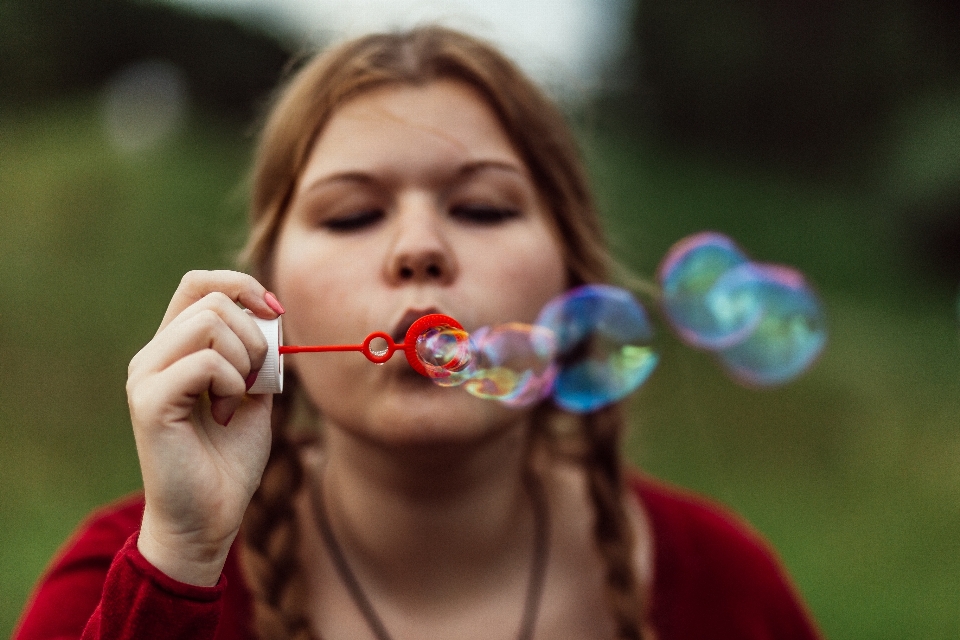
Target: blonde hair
[(545, 143)]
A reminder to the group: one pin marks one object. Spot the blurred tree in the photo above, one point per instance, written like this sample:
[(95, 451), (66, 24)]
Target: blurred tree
[(806, 83), (52, 48)]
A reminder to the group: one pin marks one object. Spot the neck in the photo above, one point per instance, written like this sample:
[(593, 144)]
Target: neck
[(415, 520)]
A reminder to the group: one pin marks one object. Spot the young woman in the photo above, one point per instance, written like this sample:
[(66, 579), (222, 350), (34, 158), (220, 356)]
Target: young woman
[(398, 175)]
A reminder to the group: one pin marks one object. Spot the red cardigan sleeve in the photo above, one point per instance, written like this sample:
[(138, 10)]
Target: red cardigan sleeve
[(101, 587)]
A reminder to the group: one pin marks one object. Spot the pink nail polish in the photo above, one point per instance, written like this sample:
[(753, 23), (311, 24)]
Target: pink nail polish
[(273, 303), (227, 421), (252, 378)]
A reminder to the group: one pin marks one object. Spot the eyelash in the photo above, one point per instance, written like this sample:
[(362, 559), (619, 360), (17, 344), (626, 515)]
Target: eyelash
[(486, 215), (481, 215), (354, 221)]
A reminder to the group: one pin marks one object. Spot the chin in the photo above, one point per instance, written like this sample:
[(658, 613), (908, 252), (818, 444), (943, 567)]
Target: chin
[(397, 407), (431, 416)]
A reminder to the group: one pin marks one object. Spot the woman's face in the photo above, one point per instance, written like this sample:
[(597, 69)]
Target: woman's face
[(413, 201)]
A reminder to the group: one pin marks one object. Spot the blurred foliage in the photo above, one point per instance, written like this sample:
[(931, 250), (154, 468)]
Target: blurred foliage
[(807, 83), (862, 92), (93, 242), (56, 48)]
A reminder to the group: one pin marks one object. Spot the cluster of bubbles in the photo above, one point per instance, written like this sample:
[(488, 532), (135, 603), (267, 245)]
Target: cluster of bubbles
[(588, 348), (763, 321), (593, 345)]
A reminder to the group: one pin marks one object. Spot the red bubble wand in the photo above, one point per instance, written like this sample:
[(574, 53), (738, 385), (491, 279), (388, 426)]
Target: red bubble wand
[(379, 356)]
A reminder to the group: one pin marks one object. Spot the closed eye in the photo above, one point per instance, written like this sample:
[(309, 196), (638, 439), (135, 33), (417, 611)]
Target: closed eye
[(354, 221), (484, 214)]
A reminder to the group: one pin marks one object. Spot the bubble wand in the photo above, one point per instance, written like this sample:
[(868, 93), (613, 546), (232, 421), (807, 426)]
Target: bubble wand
[(270, 378), (379, 356)]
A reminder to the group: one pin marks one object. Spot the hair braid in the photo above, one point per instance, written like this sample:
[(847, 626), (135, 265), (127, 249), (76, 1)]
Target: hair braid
[(271, 537), (612, 531)]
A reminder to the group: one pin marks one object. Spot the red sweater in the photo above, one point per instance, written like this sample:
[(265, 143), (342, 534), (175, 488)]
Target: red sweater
[(714, 579)]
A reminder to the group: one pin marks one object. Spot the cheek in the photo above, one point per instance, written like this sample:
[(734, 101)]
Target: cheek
[(318, 291), (323, 294), (518, 278)]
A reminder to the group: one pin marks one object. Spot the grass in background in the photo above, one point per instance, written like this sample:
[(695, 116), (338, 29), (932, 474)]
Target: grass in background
[(851, 472)]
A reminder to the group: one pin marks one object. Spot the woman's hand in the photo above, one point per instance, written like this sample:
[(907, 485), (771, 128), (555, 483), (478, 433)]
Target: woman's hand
[(202, 443)]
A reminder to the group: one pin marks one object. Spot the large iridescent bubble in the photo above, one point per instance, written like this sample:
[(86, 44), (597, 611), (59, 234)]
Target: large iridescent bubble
[(701, 315), (790, 331), (603, 344), (514, 363)]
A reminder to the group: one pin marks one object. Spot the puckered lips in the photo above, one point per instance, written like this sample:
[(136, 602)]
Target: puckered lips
[(408, 318)]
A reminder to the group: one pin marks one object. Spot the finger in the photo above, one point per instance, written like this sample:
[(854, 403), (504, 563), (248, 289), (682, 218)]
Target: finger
[(239, 287), (238, 320), (205, 371), (222, 408), (210, 372), (203, 330), (170, 396)]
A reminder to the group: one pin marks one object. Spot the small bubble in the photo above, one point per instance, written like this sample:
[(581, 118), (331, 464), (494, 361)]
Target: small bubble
[(446, 354)]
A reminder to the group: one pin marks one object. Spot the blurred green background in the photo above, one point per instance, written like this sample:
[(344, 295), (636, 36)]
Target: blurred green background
[(820, 135)]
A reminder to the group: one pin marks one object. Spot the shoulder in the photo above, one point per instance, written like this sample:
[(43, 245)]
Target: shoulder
[(710, 561), (709, 536)]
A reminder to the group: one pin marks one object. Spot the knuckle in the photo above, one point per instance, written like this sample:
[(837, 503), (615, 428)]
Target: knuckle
[(258, 348), (191, 278), (138, 401), (218, 298), (208, 320), (210, 362), (133, 364)]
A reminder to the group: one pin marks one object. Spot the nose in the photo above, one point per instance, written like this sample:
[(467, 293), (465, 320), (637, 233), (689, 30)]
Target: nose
[(420, 251)]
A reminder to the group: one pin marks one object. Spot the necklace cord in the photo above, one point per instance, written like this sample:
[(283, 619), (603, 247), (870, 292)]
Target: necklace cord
[(343, 568), (538, 566), (541, 555)]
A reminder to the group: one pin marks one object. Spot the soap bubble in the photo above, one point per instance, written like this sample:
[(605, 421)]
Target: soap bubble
[(514, 363), (603, 343), (702, 316), (446, 354), (790, 331)]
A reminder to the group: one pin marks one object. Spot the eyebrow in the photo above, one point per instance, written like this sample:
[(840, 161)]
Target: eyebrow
[(471, 168), (343, 176), (466, 170)]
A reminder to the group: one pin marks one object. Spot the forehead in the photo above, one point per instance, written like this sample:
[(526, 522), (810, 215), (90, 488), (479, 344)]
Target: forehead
[(444, 123)]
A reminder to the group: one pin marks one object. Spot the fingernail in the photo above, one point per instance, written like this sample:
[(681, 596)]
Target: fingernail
[(229, 418), (252, 378), (273, 303)]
